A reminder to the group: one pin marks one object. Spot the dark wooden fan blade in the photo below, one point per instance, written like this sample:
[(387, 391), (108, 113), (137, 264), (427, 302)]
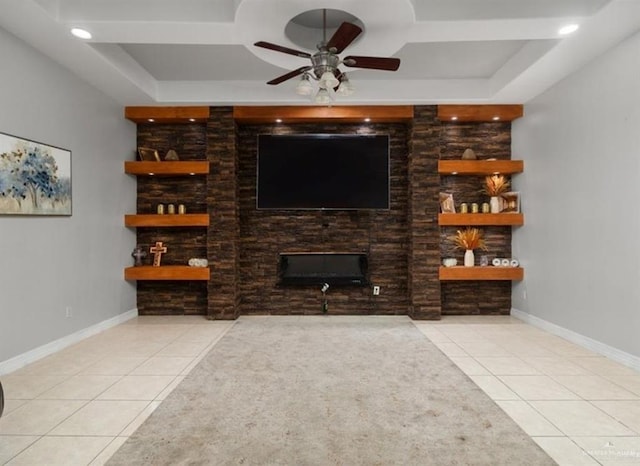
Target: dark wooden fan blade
[(280, 48), (374, 63), (289, 75), (346, 33)]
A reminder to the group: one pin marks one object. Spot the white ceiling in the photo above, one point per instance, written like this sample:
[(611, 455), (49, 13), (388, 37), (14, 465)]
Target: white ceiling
[(176, 52)]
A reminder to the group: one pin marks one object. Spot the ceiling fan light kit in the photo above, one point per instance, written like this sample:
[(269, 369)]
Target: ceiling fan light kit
[(345, 88), (323, 97), (328, 80), (304, 87), (325, 64)]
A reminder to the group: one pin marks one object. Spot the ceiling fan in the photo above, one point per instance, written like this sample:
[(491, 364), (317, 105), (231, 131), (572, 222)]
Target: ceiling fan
[(325, 62)]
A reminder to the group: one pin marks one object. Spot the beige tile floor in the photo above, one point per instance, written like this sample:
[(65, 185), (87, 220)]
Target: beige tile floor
[(78, 406), (580, 407)]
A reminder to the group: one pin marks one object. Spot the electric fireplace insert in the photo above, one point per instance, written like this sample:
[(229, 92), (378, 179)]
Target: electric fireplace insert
[(318, 268)]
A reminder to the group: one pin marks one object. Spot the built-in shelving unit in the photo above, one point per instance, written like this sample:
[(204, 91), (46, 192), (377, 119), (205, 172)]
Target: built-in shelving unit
[(166, 272), (481, 273), (179, 220), (180, 168), (480, 168)]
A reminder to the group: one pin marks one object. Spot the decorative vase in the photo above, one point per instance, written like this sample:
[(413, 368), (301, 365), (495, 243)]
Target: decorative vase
[(469, 258), (494, 204)]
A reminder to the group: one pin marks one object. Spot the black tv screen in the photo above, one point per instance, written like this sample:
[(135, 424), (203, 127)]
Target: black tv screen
[(323, 171)]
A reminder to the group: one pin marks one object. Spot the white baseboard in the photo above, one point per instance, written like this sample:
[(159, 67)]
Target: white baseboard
[(610, 352), (40, 352)]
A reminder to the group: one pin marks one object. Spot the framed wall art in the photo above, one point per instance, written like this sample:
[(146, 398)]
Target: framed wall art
[(511, 202), (35, 178), (446, 203)]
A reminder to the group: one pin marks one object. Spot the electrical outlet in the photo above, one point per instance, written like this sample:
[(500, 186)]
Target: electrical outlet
[(376, 290), (69, 312)]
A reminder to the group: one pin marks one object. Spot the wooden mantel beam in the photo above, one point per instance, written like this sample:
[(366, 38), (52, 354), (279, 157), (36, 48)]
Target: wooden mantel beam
[(311, 114)]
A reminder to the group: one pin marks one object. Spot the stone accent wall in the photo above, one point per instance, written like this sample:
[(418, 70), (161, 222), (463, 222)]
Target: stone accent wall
[(488, 140), (405, 244), (383, 235), (223, 207), (424, 232), (173, 297)]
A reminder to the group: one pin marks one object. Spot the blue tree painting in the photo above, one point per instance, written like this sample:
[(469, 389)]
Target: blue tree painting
[(35, 179)]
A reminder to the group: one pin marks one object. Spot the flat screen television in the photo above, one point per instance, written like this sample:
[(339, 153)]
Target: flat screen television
[(323, 171)]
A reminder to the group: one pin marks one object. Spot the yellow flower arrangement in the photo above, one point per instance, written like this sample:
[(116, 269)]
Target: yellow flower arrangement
[(469, 238)]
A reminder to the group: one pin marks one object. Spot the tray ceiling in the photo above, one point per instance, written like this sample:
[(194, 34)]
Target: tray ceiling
[(177, 52)]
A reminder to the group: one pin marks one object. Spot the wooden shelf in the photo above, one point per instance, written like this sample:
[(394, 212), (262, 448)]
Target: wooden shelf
[(463, 113), (317, 113), (481, 273), (167, 168), (166, 114), (507, 219), (169, 220), (167, 272), (480, 167)]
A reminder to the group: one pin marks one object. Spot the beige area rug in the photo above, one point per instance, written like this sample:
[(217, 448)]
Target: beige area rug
[(315, 390)]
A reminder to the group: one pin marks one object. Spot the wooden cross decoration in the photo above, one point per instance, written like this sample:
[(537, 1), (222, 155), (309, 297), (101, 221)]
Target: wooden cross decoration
[(158, 250)]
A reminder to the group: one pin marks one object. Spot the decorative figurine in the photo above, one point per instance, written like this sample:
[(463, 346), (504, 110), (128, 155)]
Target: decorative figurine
[(469, 154), (138, 254), (171, 155)]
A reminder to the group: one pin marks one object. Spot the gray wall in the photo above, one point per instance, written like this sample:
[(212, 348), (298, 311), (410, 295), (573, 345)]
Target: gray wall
[(581, 192), (49, 263)]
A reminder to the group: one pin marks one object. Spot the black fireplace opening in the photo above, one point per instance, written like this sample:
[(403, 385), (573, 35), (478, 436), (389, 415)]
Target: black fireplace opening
[(318, 268)]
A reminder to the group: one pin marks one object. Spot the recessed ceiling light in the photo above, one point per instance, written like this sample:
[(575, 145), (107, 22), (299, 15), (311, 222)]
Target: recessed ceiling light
[(151, 120), (454, 173), (192, 119), (278, 120), (367, 120), (496, 118), (81, 33), (151, 174), (568, 29), (191, 174), (454, 118)]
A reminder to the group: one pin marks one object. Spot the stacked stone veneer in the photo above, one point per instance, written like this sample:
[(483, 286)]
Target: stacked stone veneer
[(382, 234), (424, 233), (488, 140), (405, 244), (223, 243), (173, 297)]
